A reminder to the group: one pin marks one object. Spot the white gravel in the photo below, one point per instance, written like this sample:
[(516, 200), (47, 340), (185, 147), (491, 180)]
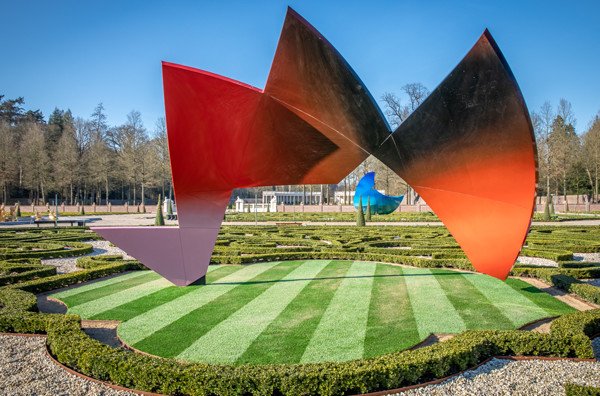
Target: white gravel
[(593, 257), (523, 377), (542, 262), (26, 370), (68, 264)]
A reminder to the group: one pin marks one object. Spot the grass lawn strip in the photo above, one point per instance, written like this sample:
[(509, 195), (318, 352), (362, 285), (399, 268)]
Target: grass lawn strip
[(143, 304), (551, 305), (433, 312), (391, 325), (110, 289), (98, 284), (340, 334), (155, 319), (476, 310), (516, 307), (228, 340), (286, 338), (95, 307), (178, 335)]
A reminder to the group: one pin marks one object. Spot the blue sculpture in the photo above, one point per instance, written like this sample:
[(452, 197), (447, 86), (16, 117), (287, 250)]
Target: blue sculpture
[(380, 204)]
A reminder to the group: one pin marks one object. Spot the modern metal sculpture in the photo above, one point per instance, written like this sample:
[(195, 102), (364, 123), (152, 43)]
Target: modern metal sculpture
[(468, 150), (379, 203)]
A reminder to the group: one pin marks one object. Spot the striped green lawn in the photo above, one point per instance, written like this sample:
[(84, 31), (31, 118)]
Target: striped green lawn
[(305, 311)]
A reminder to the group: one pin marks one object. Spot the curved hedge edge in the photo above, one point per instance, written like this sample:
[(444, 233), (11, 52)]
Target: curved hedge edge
[(77, 249), (17, 300), (88, 378), (561, 279), (461, 264), (63, 280), (25, 272), (581, 390)]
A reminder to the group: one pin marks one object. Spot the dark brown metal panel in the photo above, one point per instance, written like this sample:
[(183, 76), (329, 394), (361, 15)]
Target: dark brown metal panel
[(469, 152), (313, 80)]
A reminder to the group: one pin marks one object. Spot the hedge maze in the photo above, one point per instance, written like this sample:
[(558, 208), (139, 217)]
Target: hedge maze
[(430, 248)]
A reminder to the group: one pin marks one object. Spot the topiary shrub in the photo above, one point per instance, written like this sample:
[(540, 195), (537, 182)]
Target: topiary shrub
[(360, 216), (159, 220)]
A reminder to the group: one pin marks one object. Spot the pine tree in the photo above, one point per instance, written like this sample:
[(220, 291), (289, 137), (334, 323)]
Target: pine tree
[(368, 215), (160, 220), (360, 216), (18, 210)]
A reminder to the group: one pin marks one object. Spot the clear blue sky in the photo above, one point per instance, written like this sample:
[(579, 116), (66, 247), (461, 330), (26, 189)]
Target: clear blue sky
[(74, 54)]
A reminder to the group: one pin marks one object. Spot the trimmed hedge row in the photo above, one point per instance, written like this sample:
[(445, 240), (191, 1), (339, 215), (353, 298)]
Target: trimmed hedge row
[(555, 255), (558, 278), (98, 261), (569, 337), (542, 272), (17, 300), (46, 250), (63, 280), (345, 255), (581, 390), (14, 273)]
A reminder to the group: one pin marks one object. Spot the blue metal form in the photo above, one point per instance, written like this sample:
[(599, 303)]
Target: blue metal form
[(380, 204)]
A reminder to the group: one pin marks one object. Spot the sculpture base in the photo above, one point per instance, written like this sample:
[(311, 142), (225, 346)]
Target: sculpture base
[(199, 282)]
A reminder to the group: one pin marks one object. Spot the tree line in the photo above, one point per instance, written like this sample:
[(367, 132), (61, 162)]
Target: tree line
[(568, 163), (82, 160)]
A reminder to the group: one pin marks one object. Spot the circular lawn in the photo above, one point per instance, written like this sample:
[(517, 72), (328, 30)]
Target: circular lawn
[(305, 311)]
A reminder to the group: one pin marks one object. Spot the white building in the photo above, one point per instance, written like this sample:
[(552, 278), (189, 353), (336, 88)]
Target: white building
[(292, 197)]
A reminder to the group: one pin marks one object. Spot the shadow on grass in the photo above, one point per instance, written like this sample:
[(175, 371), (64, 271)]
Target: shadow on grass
[(333, 277)]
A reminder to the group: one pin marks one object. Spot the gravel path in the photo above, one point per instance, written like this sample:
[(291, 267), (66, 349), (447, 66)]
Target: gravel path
[(593, 257), (524, 377), (67, 264), (542, 262), (26, 370)]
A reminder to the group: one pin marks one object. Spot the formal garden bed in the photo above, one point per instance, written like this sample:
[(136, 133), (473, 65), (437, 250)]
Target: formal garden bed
[(284, 251), (296, 214)]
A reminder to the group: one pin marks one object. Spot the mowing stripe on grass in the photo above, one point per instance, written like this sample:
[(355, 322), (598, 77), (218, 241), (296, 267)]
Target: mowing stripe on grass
[(173, 339), (98, 284), (94, 307), (340, 334), (144, 325), (391, 325), (143, 304), (516, 307), (228, 340), (477, 311), (110, 289), (548, 303), (286, 338), (433, 312)]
